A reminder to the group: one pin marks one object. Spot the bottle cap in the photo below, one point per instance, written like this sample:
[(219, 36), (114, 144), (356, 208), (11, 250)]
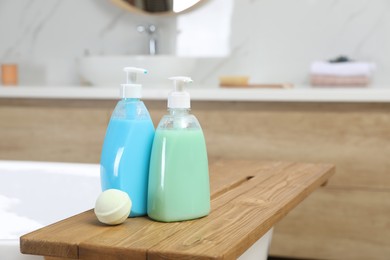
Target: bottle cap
[(178, 98), (131, 89)]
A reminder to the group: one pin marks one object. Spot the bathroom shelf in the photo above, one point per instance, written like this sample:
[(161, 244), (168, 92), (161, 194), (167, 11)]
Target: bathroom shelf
[(297, 94), (247, 199)]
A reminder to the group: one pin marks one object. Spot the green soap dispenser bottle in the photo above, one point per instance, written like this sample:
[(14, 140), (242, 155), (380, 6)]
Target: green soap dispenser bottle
[(179, 186)]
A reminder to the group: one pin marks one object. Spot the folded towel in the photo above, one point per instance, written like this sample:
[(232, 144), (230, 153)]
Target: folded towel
[(344, 81), (351, 68)]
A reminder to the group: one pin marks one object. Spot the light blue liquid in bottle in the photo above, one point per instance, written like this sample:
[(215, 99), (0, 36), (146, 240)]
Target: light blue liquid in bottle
[(124, 163)]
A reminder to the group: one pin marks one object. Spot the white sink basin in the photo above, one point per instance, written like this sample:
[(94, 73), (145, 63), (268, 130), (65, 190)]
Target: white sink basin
[(108, 70)]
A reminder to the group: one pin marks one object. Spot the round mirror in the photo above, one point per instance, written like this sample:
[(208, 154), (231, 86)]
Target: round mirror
[(158, 7)]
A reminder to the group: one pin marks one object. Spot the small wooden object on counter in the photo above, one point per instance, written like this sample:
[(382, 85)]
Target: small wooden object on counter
[(247, 199), (265, 86), (230, 81), (9, 74)]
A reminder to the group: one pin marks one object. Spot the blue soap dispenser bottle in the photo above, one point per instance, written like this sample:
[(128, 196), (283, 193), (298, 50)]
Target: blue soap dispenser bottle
[(125, 156)]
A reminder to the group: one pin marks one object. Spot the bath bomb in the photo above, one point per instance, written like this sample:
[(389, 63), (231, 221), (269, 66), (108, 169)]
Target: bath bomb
[(113, 207)]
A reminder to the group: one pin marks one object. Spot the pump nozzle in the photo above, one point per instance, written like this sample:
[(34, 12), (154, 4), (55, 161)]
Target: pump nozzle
[(131, 89), (178, 98), (180, 81)]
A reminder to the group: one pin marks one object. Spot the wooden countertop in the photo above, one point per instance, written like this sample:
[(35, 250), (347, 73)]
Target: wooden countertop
[(377, 94), (248, 198)]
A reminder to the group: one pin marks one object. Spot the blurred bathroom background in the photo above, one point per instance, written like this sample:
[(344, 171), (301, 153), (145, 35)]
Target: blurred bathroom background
[(56, 114), (272, 41)]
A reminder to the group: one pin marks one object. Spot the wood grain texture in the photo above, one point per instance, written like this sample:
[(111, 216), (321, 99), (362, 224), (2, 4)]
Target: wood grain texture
[(55, 258), (355, 137), (337, 212), (249, 197), (54, 131), (60, 233)]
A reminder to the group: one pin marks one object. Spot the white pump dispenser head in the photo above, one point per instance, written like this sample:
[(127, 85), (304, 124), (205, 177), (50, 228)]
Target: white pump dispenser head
[(131, 89), (178, 98)]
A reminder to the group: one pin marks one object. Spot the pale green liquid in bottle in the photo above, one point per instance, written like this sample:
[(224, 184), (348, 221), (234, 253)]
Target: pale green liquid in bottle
[(179, 186)]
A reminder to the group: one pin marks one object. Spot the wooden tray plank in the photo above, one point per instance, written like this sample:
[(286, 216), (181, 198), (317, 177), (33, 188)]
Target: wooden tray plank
[(248, 197), (63, 238), (234, 227), (281, 177), (224, 177), (59, 239)]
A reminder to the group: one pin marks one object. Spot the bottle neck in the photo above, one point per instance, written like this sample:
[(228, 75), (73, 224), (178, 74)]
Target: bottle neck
[(179, 111), (131, 99)]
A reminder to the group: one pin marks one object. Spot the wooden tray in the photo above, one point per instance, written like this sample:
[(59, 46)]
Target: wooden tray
[(248, 198)]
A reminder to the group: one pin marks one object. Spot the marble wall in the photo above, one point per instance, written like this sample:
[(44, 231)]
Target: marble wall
[(47, 37), (269, 40), (276, 40)]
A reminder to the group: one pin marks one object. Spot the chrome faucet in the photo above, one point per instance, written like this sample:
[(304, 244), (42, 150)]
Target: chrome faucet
[(151, 30)]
